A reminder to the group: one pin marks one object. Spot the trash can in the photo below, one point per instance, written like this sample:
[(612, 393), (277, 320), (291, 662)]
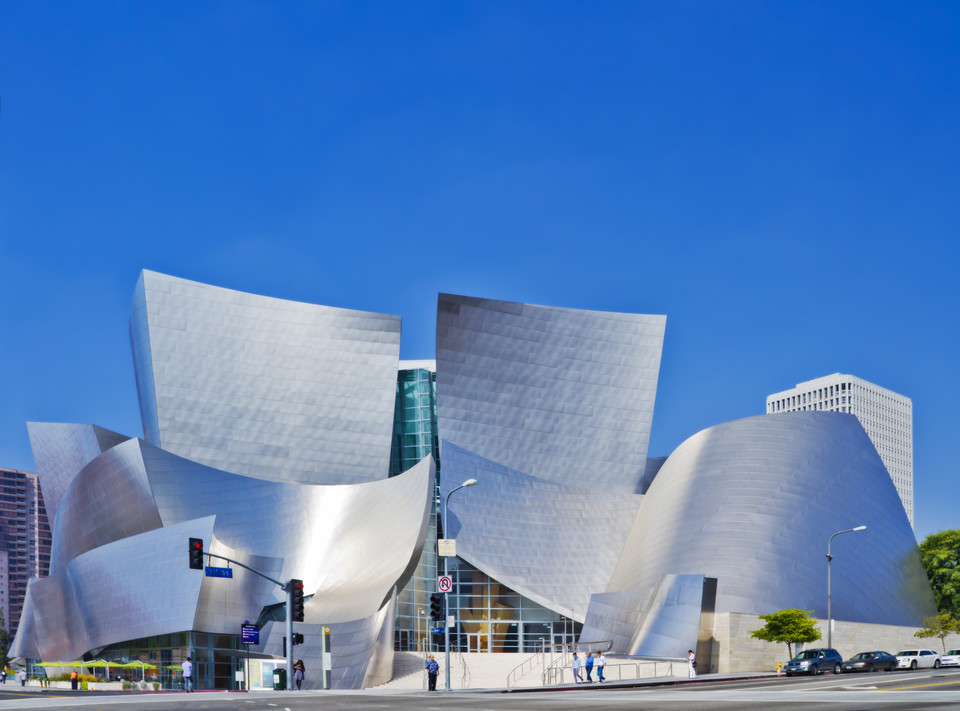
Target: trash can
[(279, 679)]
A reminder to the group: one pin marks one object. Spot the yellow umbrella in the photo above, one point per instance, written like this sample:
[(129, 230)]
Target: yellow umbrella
[(59, 664)]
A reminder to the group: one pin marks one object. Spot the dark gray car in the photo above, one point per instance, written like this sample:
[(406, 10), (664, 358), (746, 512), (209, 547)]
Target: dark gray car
[(814, 661)]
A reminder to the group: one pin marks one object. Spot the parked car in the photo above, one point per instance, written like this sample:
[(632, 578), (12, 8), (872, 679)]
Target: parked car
[(918, 658), (814, 661), (951, 658), (870, 661)]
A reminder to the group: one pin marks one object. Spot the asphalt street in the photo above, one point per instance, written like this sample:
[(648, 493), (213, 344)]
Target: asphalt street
[(894, 691)]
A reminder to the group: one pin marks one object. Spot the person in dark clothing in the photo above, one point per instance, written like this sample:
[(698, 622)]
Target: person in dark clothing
[(433, 670)]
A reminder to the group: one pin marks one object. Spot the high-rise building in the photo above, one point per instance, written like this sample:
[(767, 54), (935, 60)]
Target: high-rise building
[(24, 540), (885, 415)]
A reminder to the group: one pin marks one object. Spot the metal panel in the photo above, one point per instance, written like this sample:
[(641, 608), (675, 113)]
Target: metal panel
[(264, 387), (133, 588), (753, 504), (349, 543), (109, 500), (353, 545), (61, 450), (550, 392), (662, 621), (555, 544)]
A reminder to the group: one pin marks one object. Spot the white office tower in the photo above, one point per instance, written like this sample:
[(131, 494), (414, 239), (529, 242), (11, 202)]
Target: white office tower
[(886, 416)]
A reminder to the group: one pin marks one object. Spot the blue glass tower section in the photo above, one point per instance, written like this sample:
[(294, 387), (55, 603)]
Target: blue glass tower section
[(414, 437), (415, 419)]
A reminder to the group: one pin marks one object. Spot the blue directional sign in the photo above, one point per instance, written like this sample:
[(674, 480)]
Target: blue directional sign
[(437, 630), (249, 634), (215, 572)]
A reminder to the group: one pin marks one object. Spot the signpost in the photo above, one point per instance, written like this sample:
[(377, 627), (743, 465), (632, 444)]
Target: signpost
[(249, 634)]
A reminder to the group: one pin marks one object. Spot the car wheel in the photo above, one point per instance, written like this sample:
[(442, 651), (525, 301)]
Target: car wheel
[(836, 668), (814, 670), (936, 663), (913, 664)]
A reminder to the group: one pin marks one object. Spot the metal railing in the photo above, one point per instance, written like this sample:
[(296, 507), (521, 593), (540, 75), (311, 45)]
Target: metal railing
[(465, 672), (618, 669), (527, 665), (562, 655)]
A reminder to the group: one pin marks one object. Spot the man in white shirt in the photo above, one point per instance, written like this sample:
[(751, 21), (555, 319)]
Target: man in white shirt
[(187, 667)]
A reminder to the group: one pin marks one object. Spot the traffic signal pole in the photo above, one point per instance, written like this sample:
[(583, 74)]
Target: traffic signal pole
[(287, 587)]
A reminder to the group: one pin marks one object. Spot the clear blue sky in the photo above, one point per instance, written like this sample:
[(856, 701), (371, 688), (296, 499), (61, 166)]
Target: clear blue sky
[(781, 179)]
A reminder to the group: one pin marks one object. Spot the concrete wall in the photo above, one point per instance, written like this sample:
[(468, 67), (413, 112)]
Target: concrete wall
[(734, 650)]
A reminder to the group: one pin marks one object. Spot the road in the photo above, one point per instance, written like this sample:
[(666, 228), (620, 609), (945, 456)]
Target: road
[(894, 692)]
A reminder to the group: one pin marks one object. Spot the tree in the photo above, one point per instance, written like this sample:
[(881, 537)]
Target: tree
[(788, 626), (938, 626), (940, 553), (4, 640)]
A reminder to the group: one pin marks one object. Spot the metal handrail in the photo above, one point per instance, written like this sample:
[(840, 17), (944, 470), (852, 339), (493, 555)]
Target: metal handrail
[(465, 674), (513, 676), (555, 673)]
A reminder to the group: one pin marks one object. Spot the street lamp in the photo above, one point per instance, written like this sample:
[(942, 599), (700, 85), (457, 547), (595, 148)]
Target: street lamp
[(830, 558), (446, 623)]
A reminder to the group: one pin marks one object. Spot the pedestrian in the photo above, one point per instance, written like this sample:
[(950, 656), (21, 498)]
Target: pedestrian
[(3, 674), (299, 671), (589, 666), (187, 666), (692, 663), (601, 663), (23, 677), (576, 669), (74, 680), (433, 669)]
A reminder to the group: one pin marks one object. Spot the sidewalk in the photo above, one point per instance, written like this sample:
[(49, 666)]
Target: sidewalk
[(634, 683)]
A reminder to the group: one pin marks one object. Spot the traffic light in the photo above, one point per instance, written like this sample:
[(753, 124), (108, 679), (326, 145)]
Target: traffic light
[(436, 607), (296, 587), (196, 553), (297, 638)]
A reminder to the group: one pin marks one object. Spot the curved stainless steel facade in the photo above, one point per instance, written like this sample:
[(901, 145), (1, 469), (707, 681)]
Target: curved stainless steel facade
[(268, 427), (552, 543), (299, 400), (558, 394), (61, 450), (753, 503), (269, 388)]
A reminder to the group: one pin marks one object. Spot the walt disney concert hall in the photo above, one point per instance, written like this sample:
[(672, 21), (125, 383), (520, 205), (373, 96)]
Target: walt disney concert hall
[(292, 439)]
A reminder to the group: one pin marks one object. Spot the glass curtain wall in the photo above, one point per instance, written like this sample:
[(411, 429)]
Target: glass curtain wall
[(491, 617), (414, 437), (216, 659)]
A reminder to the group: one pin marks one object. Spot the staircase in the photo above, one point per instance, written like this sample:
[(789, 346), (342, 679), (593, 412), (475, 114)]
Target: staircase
[(467, 671)]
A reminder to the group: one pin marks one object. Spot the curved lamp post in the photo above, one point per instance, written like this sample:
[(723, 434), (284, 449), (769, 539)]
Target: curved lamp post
[(446, 624), (830, 558)]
